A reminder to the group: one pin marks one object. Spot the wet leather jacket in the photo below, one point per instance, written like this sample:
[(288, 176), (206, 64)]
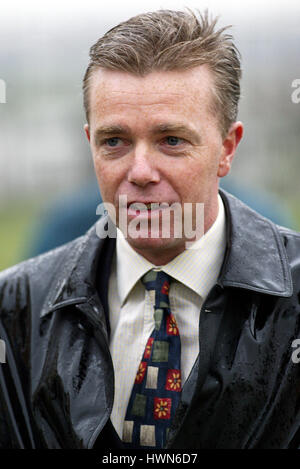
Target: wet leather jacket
[(57, 385)]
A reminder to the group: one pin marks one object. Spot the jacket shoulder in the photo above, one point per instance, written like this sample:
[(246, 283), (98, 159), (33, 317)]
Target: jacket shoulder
[(15, 281), (291, 241), (284, 231), (291, 238), (40, 262)]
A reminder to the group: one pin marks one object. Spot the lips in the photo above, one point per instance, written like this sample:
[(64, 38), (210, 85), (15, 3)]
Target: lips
[(147, 205), (147, 208), (140, 206)]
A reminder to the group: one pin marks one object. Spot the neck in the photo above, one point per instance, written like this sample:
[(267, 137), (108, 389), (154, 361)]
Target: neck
[(159, 257)]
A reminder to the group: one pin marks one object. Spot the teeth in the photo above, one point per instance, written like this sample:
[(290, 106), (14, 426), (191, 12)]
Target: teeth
[(151, 205), (141, 206), (137, 206)]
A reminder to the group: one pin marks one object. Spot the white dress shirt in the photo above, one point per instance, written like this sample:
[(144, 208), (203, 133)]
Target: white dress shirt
[(194, 273)]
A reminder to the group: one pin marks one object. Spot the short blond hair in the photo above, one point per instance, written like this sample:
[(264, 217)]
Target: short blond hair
[(168, 40)]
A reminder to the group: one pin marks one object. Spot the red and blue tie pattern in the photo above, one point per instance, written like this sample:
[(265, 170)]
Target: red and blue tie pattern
[(157, 387)]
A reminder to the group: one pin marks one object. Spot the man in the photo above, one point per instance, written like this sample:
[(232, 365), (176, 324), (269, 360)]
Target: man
[(88, 333)]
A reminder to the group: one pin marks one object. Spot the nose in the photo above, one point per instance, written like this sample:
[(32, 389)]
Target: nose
[(143, 170)]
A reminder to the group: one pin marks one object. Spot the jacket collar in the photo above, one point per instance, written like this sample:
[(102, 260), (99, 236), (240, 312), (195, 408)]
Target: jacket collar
[(76, 281), (255, 259)]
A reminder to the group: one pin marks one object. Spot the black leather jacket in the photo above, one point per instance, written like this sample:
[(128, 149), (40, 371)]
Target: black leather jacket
[(57, 385)]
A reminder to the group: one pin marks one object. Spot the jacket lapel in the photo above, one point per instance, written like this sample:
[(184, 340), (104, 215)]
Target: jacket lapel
[(256, 258)]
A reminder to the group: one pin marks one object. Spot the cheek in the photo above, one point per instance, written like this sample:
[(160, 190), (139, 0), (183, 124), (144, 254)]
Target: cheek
[(104, 177), (195, 179), (101, 166), (110, 176)]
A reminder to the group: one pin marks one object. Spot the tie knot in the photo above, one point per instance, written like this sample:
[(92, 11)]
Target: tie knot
[(158, 281)]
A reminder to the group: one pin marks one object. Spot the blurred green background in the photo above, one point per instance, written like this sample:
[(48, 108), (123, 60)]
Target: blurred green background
[(15, 223)]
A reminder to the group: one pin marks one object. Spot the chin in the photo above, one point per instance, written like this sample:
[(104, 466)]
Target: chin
[(157, 250)]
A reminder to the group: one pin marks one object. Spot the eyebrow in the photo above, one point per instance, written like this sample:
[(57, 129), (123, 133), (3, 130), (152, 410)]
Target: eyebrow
[(108, 130), (177, 128)]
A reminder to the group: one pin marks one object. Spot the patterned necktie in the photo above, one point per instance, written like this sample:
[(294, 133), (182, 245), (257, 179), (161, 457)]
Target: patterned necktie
[(157, 387)]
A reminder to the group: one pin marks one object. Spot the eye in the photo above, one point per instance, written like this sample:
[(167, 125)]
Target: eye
[(113, 141), (173, 141)]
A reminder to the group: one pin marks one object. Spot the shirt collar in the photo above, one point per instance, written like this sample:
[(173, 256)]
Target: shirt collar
[(197, 267)]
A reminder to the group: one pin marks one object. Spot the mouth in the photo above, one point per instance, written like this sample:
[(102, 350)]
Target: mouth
[(151, 219), (147, 206)]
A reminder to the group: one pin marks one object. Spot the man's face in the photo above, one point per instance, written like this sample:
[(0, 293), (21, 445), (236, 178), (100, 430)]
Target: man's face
[(155, 139)]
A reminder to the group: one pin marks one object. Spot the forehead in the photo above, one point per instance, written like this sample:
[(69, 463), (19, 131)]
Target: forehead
[(159, 91)]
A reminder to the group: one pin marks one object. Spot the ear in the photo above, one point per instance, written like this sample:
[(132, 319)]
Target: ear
[(87, 131), (229, 146)]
